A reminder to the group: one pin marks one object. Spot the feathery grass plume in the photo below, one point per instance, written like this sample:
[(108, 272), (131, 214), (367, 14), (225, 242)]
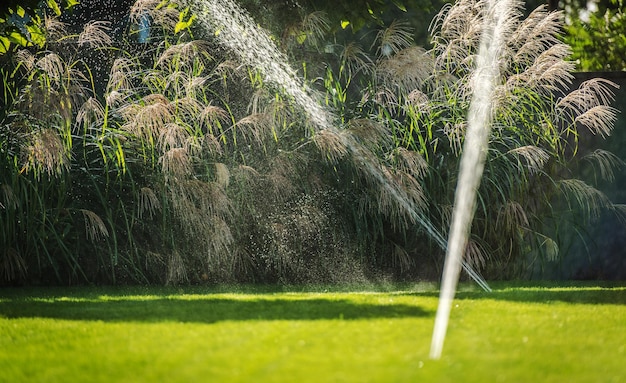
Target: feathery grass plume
[(26, 59), (549, 73), (56, 30), (368, 131), (259, 99), (218, 202), (53, 66), (142, 7), (394, 38), (182, 56), (176, 163), (455, 133), (91, 112), (254, 128), (535, 157), (314, 27), (355, 59), (187, 108), (400, 258), (121, 75), (151, 117), (228, 70), (195, 85), (154, 79), (454, 19), (620, 210), (148, 203), (12, 264), (158, 10), (176, 82), (589, 94), (222, 175), (176, 269), (590, 200), (409, 68), (409, 161), (247, 176), (211, 144), (512, 217), (386, 204), (173, 136), (599, 119), (45, 152), (455, 32), (212, 116), (385, 97), (475, 254), (94, 226), (418, 100), (410, 186), (95, 34), (606, 162), (330, 144), (202, 209), (537, 33), (190, 196), (276, 109)]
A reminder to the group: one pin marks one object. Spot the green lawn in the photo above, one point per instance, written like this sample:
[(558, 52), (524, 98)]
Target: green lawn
[(575, 333)]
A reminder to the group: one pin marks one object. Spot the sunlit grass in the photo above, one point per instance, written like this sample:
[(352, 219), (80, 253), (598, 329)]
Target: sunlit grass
[(571, 333)]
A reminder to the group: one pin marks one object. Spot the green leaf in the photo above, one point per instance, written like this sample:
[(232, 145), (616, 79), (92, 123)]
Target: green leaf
[(17, 38), (5, 44), (54, 6), (399, 5), (182, 23), (301, 38), (37, 36), (70, 3), (20, 11)]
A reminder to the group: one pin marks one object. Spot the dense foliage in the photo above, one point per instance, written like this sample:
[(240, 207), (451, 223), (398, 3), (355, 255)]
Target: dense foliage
[(598, 41), (189, 163)]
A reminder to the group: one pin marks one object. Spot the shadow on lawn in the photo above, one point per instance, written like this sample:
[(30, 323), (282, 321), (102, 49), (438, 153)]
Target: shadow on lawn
[(209, 310), (615, 295)]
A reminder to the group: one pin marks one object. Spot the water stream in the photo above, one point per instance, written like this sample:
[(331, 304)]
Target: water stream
[(236, 30), (497, 14)]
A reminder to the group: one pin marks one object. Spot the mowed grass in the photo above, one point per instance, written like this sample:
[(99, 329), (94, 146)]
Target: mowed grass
[(517, 333)]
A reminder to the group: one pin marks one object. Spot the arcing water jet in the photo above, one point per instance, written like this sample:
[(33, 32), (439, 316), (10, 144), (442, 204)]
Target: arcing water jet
[(236, 30)]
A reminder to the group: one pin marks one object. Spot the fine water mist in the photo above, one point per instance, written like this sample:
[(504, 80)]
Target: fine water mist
[(496, 15), (237, 31)]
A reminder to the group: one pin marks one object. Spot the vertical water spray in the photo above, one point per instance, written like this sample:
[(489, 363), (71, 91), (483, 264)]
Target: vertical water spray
[(497, 15)]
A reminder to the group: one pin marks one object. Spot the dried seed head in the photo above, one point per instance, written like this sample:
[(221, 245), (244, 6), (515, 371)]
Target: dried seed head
[(95, 34)]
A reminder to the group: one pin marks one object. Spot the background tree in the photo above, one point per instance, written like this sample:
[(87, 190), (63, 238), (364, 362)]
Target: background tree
[(597, 36)]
